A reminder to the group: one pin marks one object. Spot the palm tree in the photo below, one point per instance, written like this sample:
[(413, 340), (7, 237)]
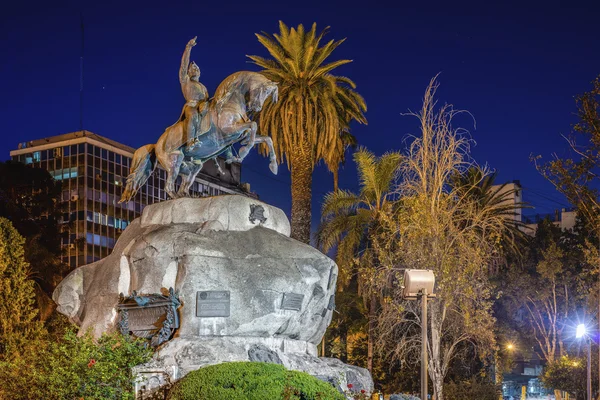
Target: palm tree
[(314, 110), (495, 200), (349, 219)]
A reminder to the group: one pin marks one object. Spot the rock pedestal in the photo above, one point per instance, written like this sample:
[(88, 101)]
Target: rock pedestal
[(248, 291)]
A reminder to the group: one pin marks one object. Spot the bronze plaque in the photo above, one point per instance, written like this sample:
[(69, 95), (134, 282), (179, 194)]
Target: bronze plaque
[(146, 318), (292, 301), (212, 303)]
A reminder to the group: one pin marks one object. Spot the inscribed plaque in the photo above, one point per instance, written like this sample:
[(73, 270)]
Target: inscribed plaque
[(292, 301), (212, 303)]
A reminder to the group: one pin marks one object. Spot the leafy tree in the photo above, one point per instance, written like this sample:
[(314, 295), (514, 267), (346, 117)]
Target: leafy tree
[(30, 199), (347, 323), (543, 296), (577, 176), (18, 327), (349, 219), (568, 374), (310, 121), (479, 186), (547, 297), (437, 227)]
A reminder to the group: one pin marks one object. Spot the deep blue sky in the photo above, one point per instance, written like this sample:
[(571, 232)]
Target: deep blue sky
[(515, 67)]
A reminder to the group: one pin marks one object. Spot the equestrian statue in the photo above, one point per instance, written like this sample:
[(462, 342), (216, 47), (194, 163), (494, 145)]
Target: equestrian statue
[(206, 129)]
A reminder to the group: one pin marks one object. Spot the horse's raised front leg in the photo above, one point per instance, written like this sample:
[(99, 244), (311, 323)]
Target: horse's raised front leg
[(249, 142), (269, 142), (241, 128)]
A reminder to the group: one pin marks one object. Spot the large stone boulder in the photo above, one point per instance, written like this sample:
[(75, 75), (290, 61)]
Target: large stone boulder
[(248, 291)]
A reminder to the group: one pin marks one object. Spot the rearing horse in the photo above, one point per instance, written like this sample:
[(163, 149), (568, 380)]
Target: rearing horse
[(238, 94)]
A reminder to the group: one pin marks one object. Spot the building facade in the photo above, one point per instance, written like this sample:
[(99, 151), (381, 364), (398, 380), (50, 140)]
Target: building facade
[(512, 194), (564, 219), (93, 172)]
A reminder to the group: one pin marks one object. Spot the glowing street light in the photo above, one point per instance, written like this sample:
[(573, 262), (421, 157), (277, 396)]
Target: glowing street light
[(581, 331), (510, 346)]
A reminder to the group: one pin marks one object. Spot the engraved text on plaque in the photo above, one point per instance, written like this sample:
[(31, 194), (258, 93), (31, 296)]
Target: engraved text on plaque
[(292, 301), (212, 303)]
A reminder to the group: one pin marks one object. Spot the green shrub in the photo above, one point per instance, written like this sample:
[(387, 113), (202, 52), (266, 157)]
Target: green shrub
[(567, 374), (74, 368), (251, 381)]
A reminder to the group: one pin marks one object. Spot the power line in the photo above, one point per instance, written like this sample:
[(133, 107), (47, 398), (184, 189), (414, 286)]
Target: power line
[(546, 197)]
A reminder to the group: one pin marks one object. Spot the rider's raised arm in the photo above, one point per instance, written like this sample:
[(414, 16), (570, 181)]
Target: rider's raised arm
[(185, 61)]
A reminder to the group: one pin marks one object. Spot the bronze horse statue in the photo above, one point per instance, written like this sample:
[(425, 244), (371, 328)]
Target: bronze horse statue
[(239, 94)]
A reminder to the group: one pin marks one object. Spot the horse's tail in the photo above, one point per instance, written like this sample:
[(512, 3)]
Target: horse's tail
[(143, 164)]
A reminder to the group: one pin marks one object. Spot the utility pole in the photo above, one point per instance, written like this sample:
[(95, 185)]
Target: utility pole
[(589, 369), (419, 284)]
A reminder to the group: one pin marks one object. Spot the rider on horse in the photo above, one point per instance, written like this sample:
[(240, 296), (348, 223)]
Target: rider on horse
[(196, 96)]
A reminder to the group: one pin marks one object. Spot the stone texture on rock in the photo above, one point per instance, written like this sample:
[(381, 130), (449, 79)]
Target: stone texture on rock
[(228, 213), (248, 291), (185, 354), (174, 245)]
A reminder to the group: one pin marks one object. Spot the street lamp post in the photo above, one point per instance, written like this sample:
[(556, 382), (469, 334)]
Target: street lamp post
[(582, 333), (418, 284), (499, 355)]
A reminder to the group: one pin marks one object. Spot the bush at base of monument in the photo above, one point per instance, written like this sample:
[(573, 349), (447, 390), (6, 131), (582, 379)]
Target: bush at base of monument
[(251, 381), (74, 368)]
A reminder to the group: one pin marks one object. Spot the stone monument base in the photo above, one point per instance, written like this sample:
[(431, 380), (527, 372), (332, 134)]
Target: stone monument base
[(182, 355), (244, 291)]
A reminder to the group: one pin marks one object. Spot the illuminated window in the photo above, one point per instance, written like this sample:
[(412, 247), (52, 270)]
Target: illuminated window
[(68, 173)]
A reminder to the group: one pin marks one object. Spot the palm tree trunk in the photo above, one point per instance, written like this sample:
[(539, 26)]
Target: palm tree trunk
[(336, 180), (302, 168)]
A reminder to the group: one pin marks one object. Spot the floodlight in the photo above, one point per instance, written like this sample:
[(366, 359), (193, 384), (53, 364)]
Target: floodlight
[(418, 281)]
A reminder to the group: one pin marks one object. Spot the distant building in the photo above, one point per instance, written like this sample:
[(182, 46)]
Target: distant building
[(564, 219), (514, 199), (93, 171)]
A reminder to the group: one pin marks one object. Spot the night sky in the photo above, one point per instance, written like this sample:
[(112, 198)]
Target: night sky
[(515, 67)]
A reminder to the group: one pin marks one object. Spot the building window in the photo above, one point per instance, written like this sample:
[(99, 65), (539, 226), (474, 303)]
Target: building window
[(67, 173), (100, 240)]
